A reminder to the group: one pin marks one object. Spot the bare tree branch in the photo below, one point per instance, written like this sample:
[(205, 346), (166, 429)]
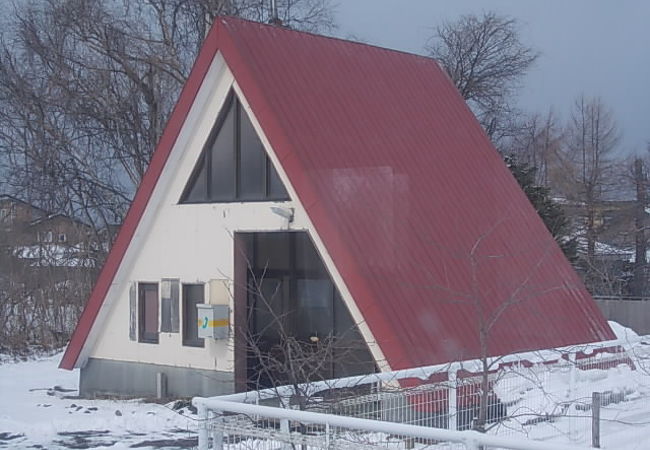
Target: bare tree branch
[(486, 59)]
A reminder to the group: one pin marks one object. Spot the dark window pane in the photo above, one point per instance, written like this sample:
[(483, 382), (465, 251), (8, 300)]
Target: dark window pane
[(223, 165), (192, 296), (275, 185), (151, 312), (252, 161), (268, 295), (351, 352), (198, 192), (314, 298), (307, 258), (272, 252), (148, 317), (345, 327), (234, 165)]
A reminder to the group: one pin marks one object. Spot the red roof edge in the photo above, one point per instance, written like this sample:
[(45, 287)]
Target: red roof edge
[(142, 196)]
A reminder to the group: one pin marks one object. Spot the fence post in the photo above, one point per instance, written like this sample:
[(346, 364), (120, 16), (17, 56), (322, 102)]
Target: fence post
[(572, 374), (217, 434), (572, 387), (471, 444), (202, 412), (452, 409), (595, 419), (284, 428)]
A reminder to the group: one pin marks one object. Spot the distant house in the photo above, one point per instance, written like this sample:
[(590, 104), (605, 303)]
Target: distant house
[(614, 220), (16, 215), (615, 231), (43, 238), (327, 188)]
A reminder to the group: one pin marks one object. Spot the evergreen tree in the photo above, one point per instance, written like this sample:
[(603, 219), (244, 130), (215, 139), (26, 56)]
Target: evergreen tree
[(550, 211)]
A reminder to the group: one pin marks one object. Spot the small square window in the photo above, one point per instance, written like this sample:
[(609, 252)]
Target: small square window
[(45, 236), (62, 237)]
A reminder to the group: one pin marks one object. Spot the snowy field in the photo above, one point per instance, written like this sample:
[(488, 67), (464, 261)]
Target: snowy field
[(39, 409)]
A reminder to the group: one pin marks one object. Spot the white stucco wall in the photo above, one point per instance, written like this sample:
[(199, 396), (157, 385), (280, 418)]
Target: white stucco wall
[(194, 243)]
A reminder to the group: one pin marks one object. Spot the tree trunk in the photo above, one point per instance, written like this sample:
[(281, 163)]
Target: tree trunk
[(641, 243), (590, 232)]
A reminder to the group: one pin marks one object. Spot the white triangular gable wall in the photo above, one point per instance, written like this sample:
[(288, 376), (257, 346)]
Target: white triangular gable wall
[(194, 242)]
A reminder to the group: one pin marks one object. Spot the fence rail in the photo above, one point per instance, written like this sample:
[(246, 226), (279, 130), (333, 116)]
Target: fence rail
[(530, 398)]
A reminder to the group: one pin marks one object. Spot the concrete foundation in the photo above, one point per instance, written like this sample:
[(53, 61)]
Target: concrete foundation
[(123, 378)]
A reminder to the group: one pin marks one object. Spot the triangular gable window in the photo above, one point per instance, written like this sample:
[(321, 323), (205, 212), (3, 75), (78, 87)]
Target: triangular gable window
[(233, 165)]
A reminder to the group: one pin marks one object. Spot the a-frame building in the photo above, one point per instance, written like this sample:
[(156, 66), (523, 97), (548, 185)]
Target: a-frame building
[(352, 186)]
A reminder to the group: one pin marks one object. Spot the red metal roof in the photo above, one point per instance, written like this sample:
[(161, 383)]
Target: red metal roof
[(403, 187)]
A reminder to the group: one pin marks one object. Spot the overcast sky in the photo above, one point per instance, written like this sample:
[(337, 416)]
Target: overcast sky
[(596, 47)]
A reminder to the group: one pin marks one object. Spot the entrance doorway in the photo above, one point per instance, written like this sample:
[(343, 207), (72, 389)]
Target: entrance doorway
[(298, 327)]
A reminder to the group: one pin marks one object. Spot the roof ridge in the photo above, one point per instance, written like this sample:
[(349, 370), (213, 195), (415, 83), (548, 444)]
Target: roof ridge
[(324, 36)]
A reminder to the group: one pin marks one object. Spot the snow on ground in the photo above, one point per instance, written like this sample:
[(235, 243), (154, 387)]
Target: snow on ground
[(39, 409), (563, 407), (545, 408)]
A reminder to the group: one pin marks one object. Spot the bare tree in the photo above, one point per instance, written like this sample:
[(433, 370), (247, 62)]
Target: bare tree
[(486, 60), (640, 236), (587, 164), (87, 86), (537, 144), (43, 288), (487, 307)]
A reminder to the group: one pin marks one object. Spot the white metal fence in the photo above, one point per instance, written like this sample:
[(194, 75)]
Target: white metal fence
[(531, 398)]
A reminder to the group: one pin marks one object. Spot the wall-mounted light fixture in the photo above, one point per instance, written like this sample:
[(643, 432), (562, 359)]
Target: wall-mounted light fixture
[(286, 213)]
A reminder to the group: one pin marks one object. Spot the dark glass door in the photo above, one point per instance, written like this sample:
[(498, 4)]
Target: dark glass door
[(292, 297)]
